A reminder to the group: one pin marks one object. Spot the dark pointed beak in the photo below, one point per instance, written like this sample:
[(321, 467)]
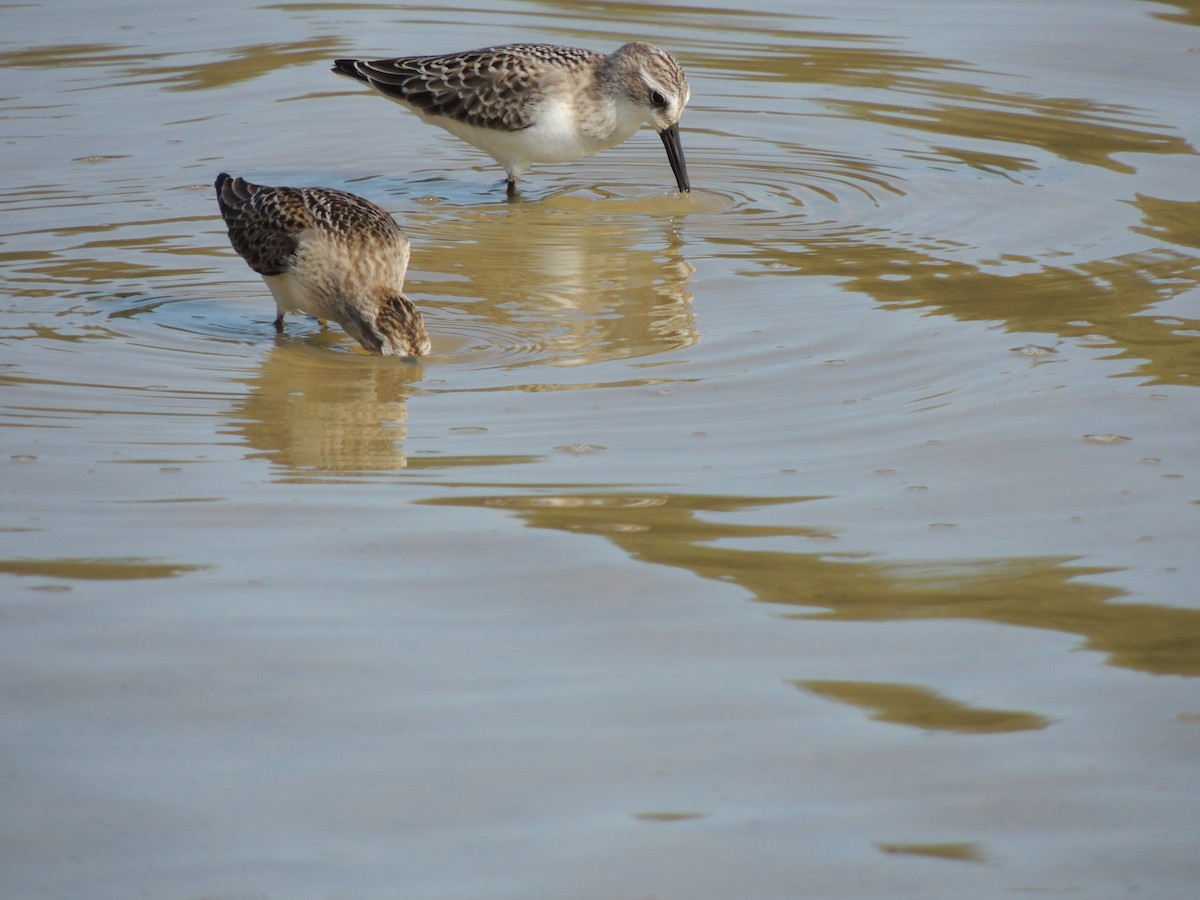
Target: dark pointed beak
[(670, 139)]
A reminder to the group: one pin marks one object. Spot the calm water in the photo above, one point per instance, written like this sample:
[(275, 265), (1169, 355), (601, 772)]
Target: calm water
[(829, 532)]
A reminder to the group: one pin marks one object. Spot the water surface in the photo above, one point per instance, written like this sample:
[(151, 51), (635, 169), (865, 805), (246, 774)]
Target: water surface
[(830, 531)]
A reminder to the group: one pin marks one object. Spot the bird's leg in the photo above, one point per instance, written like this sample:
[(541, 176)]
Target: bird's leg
[(511, 187), (279, 323)]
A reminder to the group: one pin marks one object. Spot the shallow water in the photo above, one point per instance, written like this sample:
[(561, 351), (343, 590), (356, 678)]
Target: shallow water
[(830, 531)]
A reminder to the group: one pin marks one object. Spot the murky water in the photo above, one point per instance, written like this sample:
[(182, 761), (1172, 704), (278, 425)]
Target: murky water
[(828, 532)]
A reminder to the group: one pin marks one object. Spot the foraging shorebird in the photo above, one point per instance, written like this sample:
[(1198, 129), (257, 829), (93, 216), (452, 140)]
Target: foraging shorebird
[(538, 103), (328, 254)]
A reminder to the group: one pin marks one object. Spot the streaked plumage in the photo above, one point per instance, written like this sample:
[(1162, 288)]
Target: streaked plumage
[(538, 103), (328, 254)]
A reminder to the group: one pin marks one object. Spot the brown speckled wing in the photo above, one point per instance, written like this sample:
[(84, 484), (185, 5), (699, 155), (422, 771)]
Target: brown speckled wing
[(263, 222), (496, 87), (266, 223)]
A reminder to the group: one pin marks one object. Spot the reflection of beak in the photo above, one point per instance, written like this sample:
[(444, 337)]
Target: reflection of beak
[(670, 139)]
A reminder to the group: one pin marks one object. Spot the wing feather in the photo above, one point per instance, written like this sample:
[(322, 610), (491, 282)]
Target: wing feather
[(495, 87)]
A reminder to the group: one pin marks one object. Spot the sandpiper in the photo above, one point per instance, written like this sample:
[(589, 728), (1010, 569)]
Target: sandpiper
[(328, 254), (538, 103)]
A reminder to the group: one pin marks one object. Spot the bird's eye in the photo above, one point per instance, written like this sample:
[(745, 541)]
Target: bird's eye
[(657, 98)]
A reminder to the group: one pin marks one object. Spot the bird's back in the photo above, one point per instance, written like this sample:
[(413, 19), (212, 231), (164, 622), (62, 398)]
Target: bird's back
[(267, 224), (496, 88)]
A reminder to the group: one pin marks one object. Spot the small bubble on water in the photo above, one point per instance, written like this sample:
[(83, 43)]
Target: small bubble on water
[(580, 449), (1034, 351), (1106, 438), (469, 429), (23, 457)]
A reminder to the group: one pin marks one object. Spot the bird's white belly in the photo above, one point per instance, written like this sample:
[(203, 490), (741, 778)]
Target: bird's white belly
[(290, 294), (559, 134)]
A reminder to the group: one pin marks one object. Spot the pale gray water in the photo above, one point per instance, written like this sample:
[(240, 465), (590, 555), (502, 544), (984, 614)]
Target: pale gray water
[(830, 532)]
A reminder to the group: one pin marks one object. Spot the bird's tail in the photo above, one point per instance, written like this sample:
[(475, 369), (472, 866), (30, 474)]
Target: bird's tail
[(233, 192), (349, 68)]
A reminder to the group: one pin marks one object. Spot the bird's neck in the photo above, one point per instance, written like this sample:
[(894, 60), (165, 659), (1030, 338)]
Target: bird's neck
[(608, 117)]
